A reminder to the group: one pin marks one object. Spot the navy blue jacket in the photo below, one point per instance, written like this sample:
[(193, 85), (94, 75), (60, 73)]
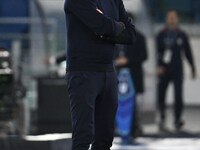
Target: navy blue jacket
[(179, 45), (91, 36)]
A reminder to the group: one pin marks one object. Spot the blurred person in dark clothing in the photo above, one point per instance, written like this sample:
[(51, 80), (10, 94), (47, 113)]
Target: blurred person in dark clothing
[(132, 57), (93, 29), (172, 42)]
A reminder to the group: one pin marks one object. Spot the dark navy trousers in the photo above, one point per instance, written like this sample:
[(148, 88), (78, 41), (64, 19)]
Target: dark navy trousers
[(177, 79), (93, 102)]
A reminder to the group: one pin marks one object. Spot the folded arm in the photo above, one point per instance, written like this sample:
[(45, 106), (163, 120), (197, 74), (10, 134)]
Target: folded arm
[(127, 36), (85, 11)]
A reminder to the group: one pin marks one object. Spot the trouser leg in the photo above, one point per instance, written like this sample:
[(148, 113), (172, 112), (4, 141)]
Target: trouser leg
[(136, 128), (178, 106), (162, 87), (134, 125), (105, 112), (83, 89)]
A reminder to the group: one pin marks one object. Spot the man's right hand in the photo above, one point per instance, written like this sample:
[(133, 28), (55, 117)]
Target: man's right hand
[(50, 60), (194, 75), (160, 70), (99, 11)]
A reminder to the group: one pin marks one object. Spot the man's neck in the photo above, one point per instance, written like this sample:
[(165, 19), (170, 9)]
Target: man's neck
[(172, 28)]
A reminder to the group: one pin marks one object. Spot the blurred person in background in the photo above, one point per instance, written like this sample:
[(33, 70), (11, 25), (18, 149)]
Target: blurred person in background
[(55, 59), (2, 48), (93, 29), (132, 57), (172, 42)]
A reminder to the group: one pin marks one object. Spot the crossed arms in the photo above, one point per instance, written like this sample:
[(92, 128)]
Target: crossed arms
[(119, 32)]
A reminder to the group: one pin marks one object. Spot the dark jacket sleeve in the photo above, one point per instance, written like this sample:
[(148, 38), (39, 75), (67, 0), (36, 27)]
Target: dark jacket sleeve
[(85, 11), (142, 48), (160, 49), (137, 52), (128, 36), (188, 53), (60, 58)]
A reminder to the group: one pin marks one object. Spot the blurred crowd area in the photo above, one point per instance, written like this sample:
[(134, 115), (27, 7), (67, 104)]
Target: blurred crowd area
[(34, 33)]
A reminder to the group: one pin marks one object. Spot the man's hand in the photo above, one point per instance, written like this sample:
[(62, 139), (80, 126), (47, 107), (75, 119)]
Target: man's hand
[(50, 60), (160, 70), (121, 61), (99, 11), (194, 75)]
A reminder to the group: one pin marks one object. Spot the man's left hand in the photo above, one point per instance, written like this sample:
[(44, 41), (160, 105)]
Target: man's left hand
[(121, 61), (194, 75)]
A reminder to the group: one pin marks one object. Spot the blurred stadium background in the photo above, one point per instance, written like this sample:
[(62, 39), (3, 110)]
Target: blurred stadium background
[(33, 30)]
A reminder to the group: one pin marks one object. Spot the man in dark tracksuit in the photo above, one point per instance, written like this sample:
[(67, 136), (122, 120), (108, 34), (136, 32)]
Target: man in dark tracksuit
[(172, 42), (93, 29)]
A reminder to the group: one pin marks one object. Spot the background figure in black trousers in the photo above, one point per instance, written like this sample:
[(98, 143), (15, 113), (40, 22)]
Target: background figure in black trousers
[(93, 29), (172, 42), (132, 57)]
